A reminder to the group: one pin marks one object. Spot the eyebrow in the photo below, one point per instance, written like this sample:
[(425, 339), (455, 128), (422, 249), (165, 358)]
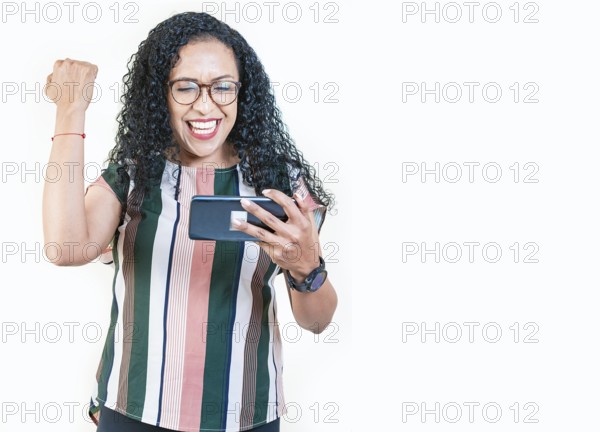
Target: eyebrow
[(196, 81)]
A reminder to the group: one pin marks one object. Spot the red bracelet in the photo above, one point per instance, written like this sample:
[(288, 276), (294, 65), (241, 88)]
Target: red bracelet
[(81, 135)]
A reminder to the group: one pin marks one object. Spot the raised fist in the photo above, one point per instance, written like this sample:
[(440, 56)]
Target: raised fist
[(71, 84)]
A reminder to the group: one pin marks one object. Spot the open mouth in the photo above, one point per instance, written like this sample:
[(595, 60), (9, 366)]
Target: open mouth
[(204, 128)]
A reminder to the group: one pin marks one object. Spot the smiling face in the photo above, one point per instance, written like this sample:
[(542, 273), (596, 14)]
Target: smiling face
[(201, 129)]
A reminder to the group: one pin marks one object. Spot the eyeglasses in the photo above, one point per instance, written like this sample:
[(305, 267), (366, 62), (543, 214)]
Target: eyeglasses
[(187, 92)]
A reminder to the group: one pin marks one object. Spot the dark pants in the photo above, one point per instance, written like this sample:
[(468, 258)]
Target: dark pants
[(112, 421)]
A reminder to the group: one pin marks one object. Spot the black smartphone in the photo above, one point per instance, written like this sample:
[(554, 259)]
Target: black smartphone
[(211, 216)]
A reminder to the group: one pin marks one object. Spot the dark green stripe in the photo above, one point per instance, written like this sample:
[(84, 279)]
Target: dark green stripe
[(221, 300), (108, 353), (261, 403), (137, 332), (111, 176)]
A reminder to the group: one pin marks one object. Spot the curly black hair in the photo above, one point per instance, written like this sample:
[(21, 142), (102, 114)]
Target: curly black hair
[(259, 136)]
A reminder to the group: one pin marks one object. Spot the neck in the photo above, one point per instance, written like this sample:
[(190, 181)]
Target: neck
[(186, 159)]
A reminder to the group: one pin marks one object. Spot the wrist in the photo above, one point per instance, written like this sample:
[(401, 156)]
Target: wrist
[(69, 116), (309, 283), (301, 273), (298, 276)]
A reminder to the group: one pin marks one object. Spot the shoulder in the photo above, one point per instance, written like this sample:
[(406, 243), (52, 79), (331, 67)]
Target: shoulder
[(118, 177)]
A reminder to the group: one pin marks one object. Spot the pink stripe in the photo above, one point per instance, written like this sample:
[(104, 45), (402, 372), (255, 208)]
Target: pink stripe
[(197, 317), (176, 318)]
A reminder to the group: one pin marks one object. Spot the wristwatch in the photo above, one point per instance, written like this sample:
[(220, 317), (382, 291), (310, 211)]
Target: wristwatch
[(313, 281)]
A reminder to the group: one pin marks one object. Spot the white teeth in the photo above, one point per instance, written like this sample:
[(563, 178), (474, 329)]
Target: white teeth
[(204, 127)]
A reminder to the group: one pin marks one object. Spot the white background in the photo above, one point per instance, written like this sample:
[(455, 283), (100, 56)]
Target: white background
[(46, 376), (373, 134), (558, 375)]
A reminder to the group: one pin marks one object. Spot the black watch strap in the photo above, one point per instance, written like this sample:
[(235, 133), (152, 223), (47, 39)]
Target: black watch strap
[(313, 281)]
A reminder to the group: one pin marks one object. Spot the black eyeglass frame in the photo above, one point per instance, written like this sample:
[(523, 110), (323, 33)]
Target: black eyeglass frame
[(237, 84)]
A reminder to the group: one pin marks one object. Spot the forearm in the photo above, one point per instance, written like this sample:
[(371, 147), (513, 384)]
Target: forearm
[(63, 200), (314, 310)]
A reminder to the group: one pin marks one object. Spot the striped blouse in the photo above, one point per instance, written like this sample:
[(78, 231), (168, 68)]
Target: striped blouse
[(193, 342)]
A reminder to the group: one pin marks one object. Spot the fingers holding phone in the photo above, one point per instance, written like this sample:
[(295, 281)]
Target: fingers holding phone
[(294, 244), (214, 217), (283, 227)]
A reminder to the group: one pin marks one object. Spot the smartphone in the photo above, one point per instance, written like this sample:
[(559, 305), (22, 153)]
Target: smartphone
[(211, 216)]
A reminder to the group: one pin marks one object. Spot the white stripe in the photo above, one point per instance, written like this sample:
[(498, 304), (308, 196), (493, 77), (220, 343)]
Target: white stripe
[(177, 313), (158, 283), (243, 310), (274, 344)]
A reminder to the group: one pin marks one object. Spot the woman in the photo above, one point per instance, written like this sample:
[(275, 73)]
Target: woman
[(193, 343)]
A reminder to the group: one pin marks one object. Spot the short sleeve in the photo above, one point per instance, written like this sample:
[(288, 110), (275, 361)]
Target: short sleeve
[(112, 179)]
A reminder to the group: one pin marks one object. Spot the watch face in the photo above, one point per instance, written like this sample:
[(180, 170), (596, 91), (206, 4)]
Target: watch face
[(318, 281)]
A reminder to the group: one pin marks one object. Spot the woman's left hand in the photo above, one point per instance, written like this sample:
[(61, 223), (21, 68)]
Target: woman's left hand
[(294, 245)]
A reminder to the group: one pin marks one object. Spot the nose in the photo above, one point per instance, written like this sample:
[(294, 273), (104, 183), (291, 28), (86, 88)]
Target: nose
[(204, 104)]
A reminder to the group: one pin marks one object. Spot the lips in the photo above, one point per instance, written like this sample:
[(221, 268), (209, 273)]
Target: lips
[(203, 128)]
